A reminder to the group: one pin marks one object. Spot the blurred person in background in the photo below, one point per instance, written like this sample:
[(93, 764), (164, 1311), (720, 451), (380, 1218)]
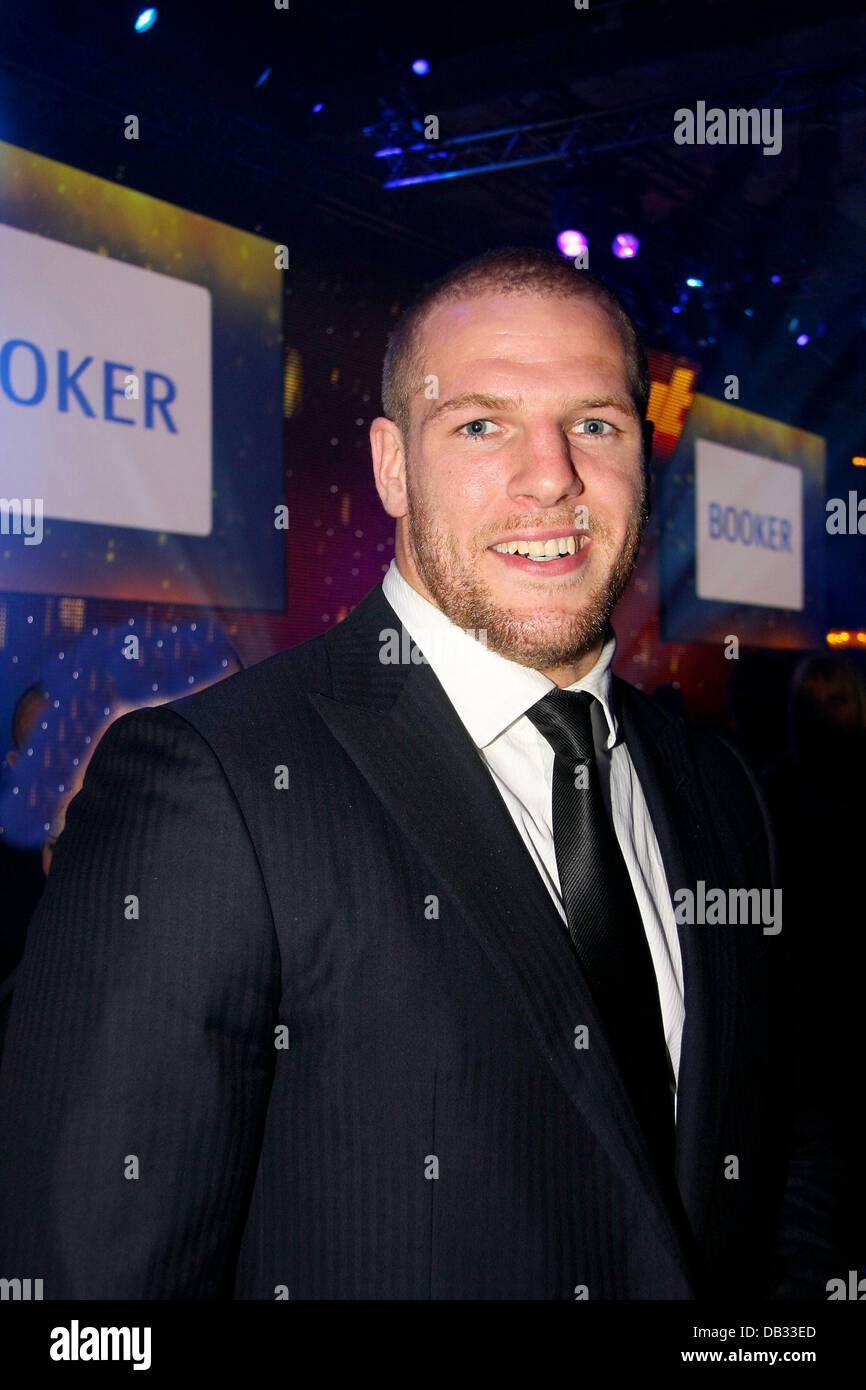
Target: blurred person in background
[(22, 873), (815, 792)]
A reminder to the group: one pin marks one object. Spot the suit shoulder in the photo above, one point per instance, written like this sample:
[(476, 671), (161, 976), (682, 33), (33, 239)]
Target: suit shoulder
[(720, 766), (650, 713), (267, 689)]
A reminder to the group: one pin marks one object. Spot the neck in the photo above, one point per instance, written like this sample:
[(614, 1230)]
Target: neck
[(563, 676)]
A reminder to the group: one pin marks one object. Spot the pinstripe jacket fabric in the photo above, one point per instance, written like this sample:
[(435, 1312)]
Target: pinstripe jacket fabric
[(297, 1018)]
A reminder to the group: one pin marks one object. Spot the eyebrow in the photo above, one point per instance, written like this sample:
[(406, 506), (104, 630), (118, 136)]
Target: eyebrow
[(482, 401)]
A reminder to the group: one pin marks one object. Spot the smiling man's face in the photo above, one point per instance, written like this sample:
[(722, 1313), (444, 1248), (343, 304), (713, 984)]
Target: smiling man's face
[(533, 441)]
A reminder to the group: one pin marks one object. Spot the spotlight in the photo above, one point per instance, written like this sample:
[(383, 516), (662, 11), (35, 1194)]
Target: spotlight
[(625, 246), (695, 283), (146, 20), (775, 279), (420, 67), (572, 243), (802, 340), (264, 77), (319, 106)]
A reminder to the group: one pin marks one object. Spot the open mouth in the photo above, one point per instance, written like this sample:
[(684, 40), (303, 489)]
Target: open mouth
[(543, 550), (554, 555)]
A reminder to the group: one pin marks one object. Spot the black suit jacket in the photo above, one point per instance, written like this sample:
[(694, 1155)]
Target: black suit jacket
[(430, 1129)]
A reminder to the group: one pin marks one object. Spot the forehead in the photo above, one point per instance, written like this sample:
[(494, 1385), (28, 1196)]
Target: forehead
[(531, 345), (528, 328)]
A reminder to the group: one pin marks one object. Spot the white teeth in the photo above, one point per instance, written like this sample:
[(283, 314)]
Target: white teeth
[(542, 550)]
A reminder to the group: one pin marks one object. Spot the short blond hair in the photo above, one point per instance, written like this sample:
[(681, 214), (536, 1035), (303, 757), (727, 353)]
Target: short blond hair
[(509, 270)]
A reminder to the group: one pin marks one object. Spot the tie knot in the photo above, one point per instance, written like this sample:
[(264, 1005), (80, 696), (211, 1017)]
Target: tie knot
[(564, 717)]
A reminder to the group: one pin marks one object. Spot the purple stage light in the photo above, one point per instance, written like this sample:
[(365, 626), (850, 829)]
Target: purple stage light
[(625, 246), (420, 67), (572, 243), (802, 340)]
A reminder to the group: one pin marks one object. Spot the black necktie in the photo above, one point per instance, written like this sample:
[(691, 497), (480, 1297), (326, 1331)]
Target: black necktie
[(604, 919)]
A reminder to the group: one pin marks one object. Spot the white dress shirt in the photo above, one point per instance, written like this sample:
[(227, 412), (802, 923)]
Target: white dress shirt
[(491, 695)]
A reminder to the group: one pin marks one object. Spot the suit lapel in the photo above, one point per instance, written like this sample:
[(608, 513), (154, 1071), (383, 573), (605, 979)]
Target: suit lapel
[(659, 748), (404, 736)]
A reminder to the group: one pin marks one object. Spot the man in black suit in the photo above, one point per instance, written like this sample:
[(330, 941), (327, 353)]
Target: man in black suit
[(357, 975)]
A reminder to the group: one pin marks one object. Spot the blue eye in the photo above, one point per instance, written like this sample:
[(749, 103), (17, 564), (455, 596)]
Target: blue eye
[(474, 435), (597, 434)]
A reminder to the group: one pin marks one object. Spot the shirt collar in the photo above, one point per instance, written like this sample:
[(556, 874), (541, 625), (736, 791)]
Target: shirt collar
[(488, 691)]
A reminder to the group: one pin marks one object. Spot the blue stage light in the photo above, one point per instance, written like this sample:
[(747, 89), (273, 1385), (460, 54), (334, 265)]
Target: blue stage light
[(775, 279), (625, 246), (420, 67), (264, 77), (572, 243), (802, 340), (146, 20), (694, 283), (319, 106)]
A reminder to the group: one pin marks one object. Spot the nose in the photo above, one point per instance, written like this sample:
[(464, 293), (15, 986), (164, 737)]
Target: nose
[(544, 472)]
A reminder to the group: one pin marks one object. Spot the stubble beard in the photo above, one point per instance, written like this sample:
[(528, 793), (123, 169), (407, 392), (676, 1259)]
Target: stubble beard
[(549, 639)]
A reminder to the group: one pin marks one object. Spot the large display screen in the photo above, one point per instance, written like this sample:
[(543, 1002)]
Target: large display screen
[(741, 516), (140, 396)]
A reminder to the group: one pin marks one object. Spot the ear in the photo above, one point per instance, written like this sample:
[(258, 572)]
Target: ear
[(389, 465)]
